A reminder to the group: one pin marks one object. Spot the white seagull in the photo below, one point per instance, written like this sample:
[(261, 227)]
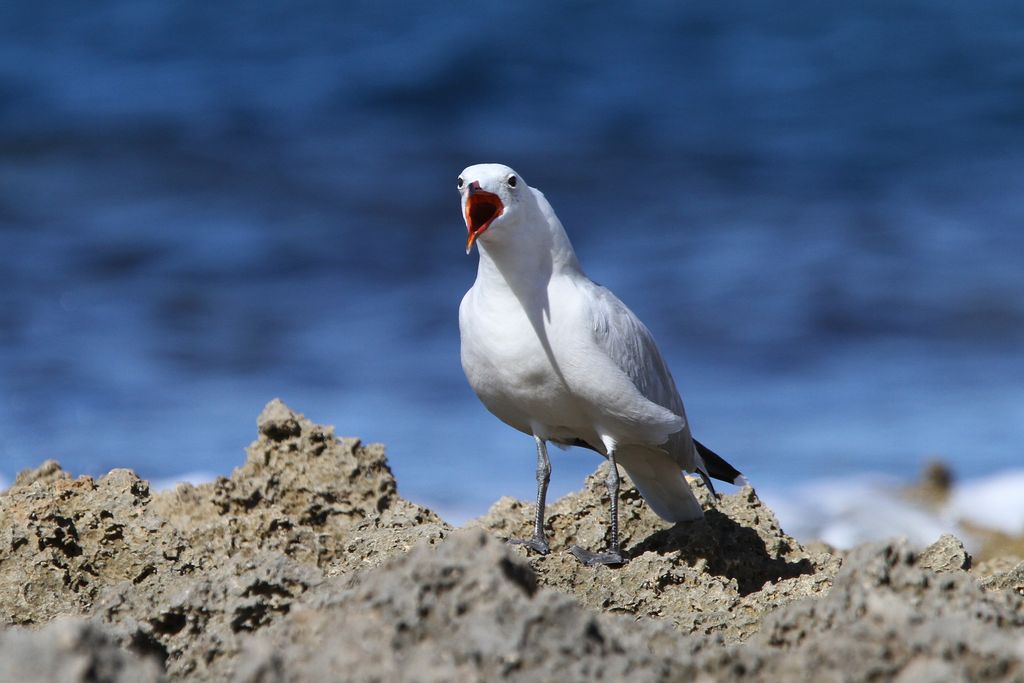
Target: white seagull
[(559, 357)]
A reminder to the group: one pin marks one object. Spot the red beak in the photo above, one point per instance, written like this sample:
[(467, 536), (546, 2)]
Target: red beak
[(482, 208)]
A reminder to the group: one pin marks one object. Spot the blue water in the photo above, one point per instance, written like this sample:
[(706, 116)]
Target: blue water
[(816, 208)]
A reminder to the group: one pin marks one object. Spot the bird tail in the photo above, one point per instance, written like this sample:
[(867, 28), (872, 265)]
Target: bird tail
[(716, 466), (661, 483)]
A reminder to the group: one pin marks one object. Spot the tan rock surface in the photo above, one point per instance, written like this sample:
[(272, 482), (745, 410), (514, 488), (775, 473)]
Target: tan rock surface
[(306, 564)]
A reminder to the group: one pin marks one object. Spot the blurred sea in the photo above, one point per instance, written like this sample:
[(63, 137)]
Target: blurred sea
[(817, 209)]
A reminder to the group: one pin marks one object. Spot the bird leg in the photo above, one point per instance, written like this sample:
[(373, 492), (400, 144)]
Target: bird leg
[(711, 487), (614, 555), (538, 542)]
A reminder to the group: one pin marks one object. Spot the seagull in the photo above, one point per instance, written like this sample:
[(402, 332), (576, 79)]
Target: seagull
[(560, 358)]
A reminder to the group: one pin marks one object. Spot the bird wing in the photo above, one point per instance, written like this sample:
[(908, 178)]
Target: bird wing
[(627, 342)]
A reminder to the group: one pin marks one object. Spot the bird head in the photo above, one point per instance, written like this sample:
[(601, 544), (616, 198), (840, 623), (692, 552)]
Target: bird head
[(490, 197)]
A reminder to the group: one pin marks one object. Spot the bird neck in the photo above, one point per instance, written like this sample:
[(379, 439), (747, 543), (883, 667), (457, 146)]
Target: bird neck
[(527, 264), (529, 253)]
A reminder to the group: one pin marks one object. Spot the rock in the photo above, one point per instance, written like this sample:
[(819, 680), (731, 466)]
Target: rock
[(994, 543), (945, 555), (197, 627), (71, 651), (307, 564), (307, 494), (277, 422), (997, 565), (934, 487), (185, 575), (717, 575), (477, 613), (49, 471), (1011, 579), (66, 538), (886, 619)]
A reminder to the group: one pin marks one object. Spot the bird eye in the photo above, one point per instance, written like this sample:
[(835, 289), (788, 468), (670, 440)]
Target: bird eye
[(511, 181), (460, 183)]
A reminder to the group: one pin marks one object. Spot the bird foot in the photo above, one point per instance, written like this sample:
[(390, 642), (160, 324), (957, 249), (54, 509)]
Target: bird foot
[(537, 544), (592, 559)]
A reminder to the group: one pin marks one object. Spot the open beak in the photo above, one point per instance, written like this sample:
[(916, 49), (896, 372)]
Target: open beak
[(482, 208)]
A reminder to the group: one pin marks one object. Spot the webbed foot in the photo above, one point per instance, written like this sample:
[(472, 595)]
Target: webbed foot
[(537, 544), (592, 559)]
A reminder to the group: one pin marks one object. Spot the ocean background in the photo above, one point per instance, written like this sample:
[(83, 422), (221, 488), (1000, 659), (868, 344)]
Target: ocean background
[(816, 208)]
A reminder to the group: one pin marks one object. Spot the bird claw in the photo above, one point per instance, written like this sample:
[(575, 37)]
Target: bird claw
[(592, 559), (536, 544)]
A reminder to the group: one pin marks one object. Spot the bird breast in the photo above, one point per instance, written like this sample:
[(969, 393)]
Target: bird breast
[(508, 362)]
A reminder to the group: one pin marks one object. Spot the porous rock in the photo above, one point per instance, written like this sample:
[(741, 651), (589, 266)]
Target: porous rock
[(64, 539), (306, 564), (71, 650), (887, 618), (466, 610), (945, 555), (1010, 578), (186, 575), (716, 575)]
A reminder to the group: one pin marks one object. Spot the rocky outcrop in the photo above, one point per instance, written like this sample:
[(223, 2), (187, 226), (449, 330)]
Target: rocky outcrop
[(306, 564)]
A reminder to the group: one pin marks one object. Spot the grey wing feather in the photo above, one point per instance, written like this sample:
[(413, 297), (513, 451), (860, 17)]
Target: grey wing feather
[(628, 342)]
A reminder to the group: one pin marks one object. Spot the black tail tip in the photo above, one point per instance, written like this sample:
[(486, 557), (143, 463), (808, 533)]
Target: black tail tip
[(718, 468)]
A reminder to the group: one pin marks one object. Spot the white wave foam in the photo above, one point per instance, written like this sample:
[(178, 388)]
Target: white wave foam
[(845, 512), (995, 501), (194, 478)]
